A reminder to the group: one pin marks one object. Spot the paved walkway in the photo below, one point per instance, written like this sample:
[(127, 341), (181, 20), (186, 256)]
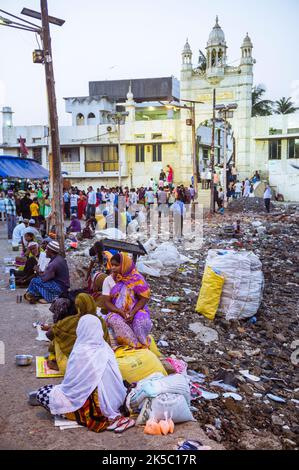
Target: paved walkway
[(26, 427)]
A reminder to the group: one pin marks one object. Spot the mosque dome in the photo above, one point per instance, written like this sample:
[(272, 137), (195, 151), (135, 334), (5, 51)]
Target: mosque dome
[(247, 42), (216, 37)]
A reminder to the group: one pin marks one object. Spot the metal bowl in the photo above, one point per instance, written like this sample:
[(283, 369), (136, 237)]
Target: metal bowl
[(24, 359)]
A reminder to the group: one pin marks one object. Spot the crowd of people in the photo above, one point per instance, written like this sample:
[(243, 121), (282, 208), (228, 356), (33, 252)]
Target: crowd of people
[(111, 309)]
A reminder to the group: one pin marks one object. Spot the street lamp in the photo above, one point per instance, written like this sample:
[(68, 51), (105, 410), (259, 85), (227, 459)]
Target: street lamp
[(225, 112), (118, 118), (190, 122)]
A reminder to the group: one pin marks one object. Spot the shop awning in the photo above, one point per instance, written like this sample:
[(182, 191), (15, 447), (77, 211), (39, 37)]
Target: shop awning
[(22, 168)]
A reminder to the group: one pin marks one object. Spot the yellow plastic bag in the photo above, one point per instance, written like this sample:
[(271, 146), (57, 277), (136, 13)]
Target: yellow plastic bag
[(153, 347), (101, 220), (136, 364), (210, 293)]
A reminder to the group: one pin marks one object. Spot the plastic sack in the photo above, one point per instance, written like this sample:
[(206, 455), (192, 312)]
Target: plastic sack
[(152, 428), (132, 227), (150, 267), (175, 383), (244, 282), (173, 404), (178, 366), (210, 293), (141, 218), (136, 364), (113, 233), (101, 221)]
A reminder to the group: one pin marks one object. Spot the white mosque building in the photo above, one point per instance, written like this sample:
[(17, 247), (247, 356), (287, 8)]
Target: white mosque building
[(153, 136)]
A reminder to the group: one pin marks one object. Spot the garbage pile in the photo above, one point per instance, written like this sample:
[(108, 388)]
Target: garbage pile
[(246, 392), (248, 204)]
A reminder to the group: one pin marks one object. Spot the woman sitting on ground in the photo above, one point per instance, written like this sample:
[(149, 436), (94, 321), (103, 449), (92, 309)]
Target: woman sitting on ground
[(66, 315), (126, 294), (92, 391), (53, 282), (26, 273), (98, 270)]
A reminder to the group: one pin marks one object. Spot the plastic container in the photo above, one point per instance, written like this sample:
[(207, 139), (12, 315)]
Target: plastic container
[(12, 281)]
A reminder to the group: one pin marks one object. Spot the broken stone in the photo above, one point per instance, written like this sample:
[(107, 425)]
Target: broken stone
[(277, 421), (203, 333)]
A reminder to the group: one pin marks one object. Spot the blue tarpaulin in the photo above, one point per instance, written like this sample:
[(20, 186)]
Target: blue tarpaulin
[(17, 167)]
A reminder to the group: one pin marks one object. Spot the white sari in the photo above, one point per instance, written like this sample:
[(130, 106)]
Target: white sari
[(91, 364)]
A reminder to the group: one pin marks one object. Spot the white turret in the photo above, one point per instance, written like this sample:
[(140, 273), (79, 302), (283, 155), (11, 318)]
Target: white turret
[(216, 53), (246, 49), (187, 57), (130, 104)]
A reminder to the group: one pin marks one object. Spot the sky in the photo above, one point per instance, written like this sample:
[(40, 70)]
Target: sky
[(117, 39)]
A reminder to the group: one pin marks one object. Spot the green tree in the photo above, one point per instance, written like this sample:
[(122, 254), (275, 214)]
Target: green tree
[(260, 107), (285, 106)]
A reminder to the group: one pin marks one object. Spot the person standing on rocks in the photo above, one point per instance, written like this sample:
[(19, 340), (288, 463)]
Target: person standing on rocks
[(267, 198)]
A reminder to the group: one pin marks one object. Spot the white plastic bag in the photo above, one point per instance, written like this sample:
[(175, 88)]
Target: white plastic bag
[(113, 233), (174, 383), (173, 404), (244, 282), (132, 227)]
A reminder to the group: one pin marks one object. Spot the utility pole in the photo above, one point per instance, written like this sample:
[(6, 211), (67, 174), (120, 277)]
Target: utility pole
[(225, 161), (212, 199), (194, 147), (55, 159), (119, 157)]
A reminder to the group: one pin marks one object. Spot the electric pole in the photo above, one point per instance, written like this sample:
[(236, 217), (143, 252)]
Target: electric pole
[(54, 157), (212, 199)]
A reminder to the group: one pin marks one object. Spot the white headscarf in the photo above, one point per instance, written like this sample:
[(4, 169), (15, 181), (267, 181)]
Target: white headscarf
[(91, 364)]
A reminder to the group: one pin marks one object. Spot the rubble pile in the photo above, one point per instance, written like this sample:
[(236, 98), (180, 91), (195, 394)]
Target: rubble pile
[(248, 204), (263, 346)]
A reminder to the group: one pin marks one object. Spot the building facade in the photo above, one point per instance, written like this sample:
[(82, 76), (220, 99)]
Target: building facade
[(153, 134)]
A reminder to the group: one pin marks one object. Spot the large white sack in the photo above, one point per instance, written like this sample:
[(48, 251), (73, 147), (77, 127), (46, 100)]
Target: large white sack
[(113, 233), (171, 405), (244, 281), (132, 227), (150, 267)]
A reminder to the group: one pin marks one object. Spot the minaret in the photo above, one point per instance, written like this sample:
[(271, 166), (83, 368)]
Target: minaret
[(246, 49), (216, 53), (130, 104), (187, 57), (6, 123)]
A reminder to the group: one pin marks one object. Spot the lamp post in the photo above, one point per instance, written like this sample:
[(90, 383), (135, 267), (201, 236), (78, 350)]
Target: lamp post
[(225, 112), (118, 118)]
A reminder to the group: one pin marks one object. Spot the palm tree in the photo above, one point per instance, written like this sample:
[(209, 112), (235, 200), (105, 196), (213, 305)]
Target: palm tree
[(285, 106), (260, 107)]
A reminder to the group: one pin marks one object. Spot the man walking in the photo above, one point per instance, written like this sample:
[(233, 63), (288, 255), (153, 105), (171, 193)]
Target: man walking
[(74, 202), (66, 202), (267, 198), (91, 203), (11, 213)]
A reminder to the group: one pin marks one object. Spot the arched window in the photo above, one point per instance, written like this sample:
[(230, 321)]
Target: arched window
[(80, 119), (91, 118), (213, 58)]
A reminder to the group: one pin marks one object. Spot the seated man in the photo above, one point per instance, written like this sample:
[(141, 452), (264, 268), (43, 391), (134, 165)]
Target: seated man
[(26, 272), (18, 230), (31, 229), (75, 225), (53, 282)]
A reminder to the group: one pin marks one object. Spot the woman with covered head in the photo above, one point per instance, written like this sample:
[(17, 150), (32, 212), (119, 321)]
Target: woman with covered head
[(66, 315), (92, 391), (126, 295)]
